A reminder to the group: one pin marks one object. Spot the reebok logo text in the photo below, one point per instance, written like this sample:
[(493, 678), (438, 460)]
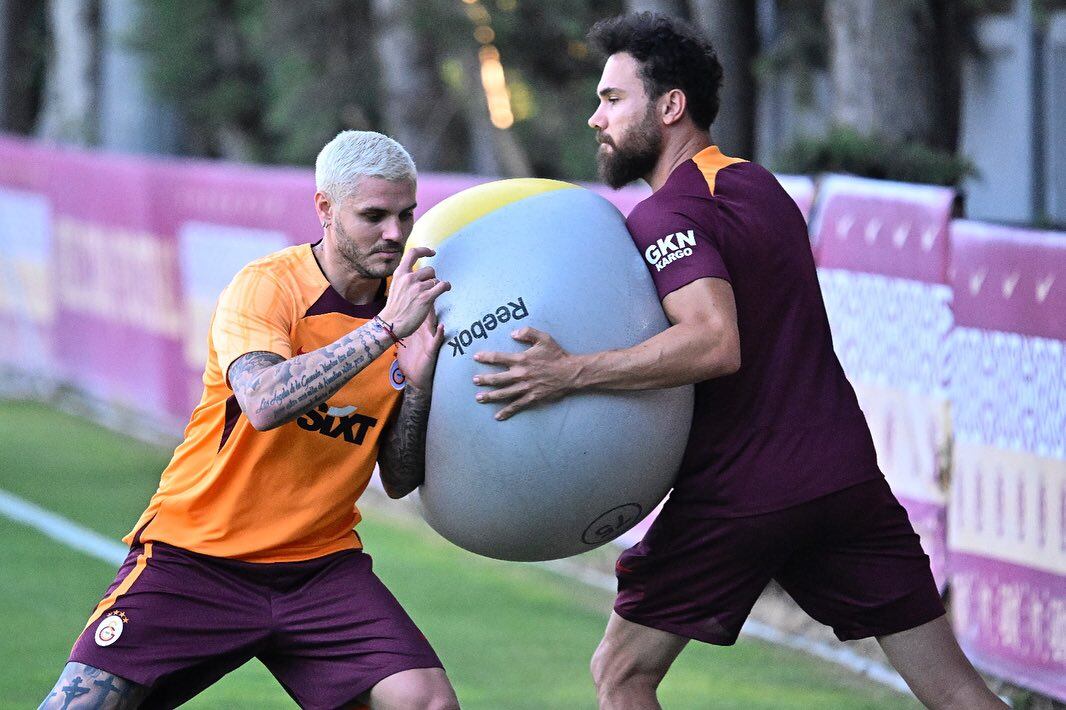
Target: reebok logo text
[(479, 329)]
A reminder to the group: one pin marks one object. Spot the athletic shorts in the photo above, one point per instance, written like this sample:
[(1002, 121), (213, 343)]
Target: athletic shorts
[(850, 559), (177, 621)]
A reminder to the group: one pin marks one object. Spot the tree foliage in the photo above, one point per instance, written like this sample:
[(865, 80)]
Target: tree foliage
[(271, 81), (203, 61), (845, 150)]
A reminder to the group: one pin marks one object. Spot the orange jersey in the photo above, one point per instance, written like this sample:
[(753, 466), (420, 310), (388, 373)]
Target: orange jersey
[(289, 493)]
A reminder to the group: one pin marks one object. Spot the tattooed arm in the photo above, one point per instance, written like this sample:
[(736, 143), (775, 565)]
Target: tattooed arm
[(82, 686), (272, 390), (402, 458)]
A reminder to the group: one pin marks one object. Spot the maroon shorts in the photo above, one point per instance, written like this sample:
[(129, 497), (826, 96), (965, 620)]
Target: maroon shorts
[(177, 621), (850, 559)]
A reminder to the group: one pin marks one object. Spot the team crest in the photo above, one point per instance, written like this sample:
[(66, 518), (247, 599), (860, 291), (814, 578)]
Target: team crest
[(396, 377), (110, 628)]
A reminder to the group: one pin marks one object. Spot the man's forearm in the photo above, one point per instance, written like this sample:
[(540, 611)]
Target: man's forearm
[(402, 458), (273, 391), (702, 343), (680, 355)]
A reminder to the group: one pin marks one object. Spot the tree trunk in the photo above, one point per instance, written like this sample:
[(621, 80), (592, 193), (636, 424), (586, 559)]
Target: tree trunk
[(493, 151), (132, 119), (68, 114), (8, 69), (238, 136), (338, 77), (949, 29), (412, 90), (882, 67), (731, 27)]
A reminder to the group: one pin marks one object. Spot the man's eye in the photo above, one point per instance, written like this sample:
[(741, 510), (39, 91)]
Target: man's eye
[(407, 216), (374, 217)]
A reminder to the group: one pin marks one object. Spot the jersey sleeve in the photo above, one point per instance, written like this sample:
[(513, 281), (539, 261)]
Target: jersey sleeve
[(677, 248), (254, 313)]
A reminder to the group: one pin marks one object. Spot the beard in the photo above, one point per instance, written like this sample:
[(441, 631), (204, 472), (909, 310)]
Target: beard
[(360, 259), (635, 154)]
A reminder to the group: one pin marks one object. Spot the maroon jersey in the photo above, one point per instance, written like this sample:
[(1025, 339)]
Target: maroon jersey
[(786, 428)]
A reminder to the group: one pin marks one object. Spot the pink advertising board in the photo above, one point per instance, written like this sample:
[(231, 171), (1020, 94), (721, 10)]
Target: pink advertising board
[(889, 228), (882, 253), (1007, 512), (27, 302)]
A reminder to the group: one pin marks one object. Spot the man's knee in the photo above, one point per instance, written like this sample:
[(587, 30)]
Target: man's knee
[(423, 688), (431, 699), (439, 698), (616, 665), (601, 663)]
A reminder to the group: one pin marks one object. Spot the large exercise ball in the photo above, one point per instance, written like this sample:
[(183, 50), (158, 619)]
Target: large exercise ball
[(559, 478)]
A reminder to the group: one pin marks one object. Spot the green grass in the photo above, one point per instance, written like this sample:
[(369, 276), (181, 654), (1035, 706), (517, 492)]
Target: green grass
[(512, 636)]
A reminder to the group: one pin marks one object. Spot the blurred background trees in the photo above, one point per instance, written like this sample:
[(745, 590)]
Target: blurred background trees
[(496, 87), (23, 57)]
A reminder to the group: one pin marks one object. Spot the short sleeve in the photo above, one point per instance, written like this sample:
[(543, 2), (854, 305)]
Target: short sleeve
[(254, 313), (676, 248)]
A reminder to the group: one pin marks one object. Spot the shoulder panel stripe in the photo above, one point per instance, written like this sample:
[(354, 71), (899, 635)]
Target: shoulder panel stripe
[(123, 587), (710, 160)]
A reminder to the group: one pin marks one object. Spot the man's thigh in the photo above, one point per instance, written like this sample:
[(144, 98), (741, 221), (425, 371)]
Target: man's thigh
[(864, 573), (341, 632), (700, 577)]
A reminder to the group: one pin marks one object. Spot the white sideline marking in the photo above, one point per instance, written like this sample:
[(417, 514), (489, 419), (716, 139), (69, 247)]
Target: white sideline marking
[(103, 548), (840, 655), (62, 530)]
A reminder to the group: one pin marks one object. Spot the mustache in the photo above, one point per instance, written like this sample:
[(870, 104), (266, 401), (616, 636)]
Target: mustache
[(386, 249), (604, 139)]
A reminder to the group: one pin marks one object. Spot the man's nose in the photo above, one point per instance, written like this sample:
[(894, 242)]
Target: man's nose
[(596, 120), (393, 230)]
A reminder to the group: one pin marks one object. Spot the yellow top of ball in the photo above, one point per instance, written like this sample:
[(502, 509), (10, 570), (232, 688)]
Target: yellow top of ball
[(452, 214)]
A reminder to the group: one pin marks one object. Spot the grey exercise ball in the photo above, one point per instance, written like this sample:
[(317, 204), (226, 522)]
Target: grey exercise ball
[(560, 478)]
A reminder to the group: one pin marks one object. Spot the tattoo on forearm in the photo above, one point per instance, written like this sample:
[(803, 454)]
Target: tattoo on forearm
[(285, 389), (403, 453), (247, 370), (83, 687), (366, 346)]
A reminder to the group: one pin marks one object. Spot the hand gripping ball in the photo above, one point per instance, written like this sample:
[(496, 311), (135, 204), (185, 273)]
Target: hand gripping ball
[(560, 478)]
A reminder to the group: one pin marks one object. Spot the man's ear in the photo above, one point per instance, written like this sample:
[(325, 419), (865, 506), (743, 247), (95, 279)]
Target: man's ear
[(323, 205), (672, 106)]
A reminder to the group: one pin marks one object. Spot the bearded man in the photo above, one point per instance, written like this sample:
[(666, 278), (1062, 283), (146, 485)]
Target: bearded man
[(779, 480)]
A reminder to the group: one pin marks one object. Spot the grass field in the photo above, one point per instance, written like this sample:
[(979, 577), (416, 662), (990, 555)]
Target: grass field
[(512, 636)]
